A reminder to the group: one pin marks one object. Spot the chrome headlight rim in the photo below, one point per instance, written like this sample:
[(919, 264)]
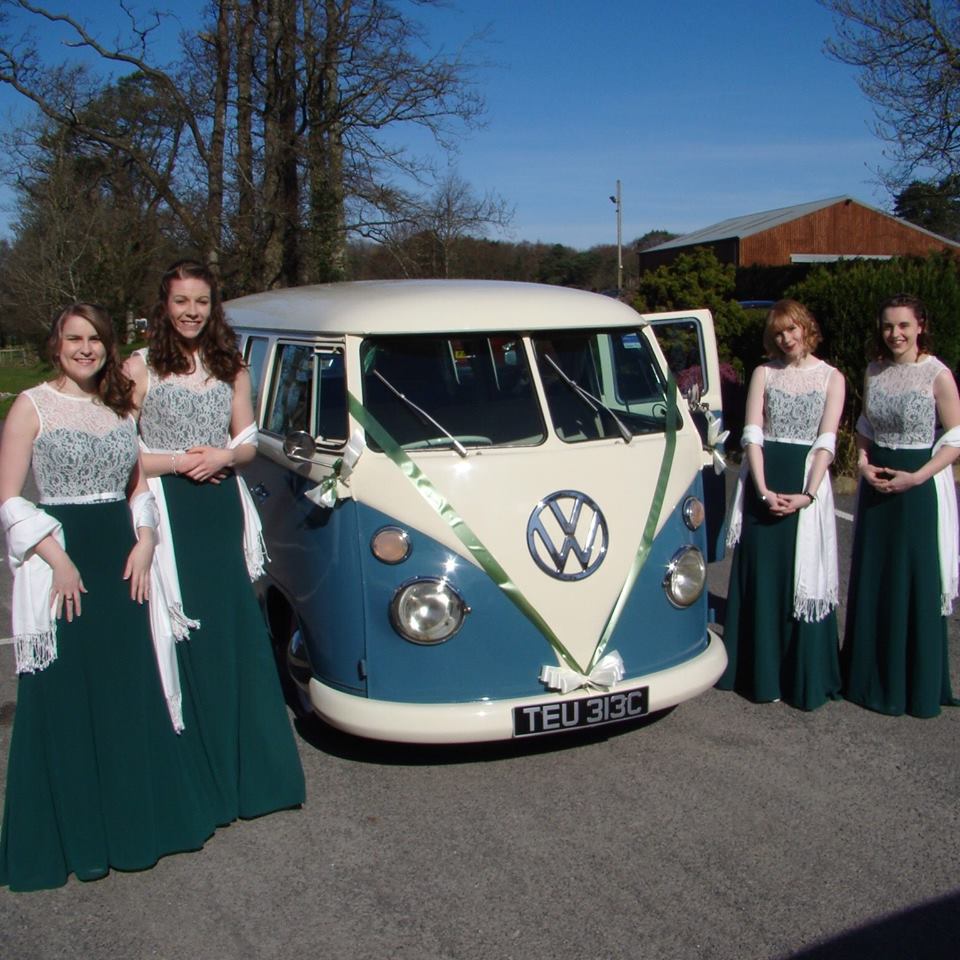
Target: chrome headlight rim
[(694, 512), (678, 567), (403, 593), (391, 531)]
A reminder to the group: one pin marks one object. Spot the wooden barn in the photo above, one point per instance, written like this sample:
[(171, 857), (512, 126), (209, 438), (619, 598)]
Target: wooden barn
[(824, 230)]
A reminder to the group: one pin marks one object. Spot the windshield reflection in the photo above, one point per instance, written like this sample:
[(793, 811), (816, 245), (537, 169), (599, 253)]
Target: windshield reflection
[(615, 369)]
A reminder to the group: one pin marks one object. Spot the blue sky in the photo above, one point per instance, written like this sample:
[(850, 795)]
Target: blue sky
[(704, 110)]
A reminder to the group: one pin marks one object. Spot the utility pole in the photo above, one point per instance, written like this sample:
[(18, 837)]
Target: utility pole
[(617, 203)]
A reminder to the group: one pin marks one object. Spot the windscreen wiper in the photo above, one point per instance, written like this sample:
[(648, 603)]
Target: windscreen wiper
[(457, 445), (588, 398)]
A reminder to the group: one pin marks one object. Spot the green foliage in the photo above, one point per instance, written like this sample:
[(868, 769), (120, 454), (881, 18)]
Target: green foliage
[(933, 206), (845, 460), (567, 267), (761, 282), (652, 238), (698, 279), (844, 297)]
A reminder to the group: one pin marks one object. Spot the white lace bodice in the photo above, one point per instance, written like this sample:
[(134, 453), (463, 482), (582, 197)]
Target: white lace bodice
[(83, 451), (793, 401), (186, 410), (898, 402)]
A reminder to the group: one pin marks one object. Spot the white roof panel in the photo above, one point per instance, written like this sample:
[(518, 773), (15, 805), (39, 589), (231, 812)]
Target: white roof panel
[(419, 306)]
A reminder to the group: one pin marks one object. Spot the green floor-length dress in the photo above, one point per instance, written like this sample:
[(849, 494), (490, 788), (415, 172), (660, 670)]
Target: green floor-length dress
[(895, 653), (771, 654), (894, 658), (96, 777), (232, 694)]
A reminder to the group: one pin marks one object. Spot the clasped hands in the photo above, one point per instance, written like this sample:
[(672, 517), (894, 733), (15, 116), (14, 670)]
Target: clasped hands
[(205, 464), (783, 504), (886, 480)]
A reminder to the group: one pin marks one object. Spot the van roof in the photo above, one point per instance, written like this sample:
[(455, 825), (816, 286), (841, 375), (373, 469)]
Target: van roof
[(419, 306)]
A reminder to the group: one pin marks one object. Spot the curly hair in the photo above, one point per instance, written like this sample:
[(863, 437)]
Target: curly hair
[(114, 388), (880, 349), (781, 315), (216, 343)]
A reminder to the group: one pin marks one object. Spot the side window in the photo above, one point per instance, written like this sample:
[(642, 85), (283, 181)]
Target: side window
[(682, 344), (331, 397), (255, 355), (291, 396)]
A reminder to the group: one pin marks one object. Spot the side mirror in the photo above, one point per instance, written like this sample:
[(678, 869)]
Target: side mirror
[(299, 445), (693, 396)]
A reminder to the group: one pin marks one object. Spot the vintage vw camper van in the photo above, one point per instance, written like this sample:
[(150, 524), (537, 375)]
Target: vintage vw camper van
[(483, 506)]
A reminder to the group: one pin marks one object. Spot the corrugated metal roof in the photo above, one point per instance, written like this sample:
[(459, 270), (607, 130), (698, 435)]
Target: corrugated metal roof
[(748, 225)]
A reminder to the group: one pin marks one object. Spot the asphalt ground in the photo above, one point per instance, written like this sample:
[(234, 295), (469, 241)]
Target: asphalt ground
[(722, 829)]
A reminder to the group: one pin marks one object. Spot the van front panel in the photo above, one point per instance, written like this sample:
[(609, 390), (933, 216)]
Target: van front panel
[(498, 652)]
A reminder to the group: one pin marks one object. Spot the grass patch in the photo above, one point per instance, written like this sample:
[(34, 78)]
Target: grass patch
[(15, 379)]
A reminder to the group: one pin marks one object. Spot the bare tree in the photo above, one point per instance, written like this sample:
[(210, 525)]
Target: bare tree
[(65, 103), (908, 52), (426, 238), (84, 230), (278, 115)]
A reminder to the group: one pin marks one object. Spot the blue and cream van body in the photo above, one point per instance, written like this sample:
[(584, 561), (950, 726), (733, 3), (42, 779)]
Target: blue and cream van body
[(483, 505)]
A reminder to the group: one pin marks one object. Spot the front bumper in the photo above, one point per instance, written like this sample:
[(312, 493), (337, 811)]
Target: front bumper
[(479, 721)]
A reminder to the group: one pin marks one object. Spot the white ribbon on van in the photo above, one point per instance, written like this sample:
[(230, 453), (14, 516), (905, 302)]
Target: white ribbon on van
[(327, 492), (716, 438), (605, 674)]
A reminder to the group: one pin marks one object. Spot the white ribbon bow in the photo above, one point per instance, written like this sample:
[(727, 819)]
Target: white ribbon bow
[(606, 673), (327, 492), (715, 442)]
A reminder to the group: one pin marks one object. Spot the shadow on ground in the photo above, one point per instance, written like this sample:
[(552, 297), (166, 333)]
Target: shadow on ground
[(928, 931), (324, 737)]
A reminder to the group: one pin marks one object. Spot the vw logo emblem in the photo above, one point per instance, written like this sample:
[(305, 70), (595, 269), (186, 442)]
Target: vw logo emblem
[(567, 522)]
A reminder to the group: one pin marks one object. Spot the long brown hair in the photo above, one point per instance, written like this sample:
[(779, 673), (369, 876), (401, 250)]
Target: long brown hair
[(114, 389), (216, 344), (919, 309)]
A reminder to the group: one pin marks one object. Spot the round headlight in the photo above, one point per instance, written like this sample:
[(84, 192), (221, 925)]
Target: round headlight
[(692, 512), (391, 545), (427, 610), (686, 577)]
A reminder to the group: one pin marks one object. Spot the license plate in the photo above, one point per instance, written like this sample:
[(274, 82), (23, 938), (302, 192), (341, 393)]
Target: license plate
[(593, 711)]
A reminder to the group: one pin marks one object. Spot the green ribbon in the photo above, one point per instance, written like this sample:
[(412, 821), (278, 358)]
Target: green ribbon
[(488, 562), (458, 525), (650, 527)]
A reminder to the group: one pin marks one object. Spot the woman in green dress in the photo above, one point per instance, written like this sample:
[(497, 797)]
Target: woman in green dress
[(781, 628), (97, 777), (196, 425), (904, 576)]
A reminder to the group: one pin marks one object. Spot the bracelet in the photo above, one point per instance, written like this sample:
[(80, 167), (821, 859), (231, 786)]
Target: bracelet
[(807, 493), (173, 463), (763, 498)]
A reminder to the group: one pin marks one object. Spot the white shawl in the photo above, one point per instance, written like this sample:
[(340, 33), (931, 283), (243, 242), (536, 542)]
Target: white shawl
[(34, 623), (816, 576), (254, 548), (948, 536), (147, 514)]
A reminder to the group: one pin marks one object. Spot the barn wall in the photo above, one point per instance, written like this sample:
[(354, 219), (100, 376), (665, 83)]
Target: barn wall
[(845, 228)]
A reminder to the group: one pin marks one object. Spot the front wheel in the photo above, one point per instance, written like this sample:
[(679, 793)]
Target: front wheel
[(300, 672), (290, 656)]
